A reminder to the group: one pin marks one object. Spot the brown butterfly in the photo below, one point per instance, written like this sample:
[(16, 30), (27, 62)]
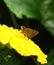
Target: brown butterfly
[(29, 32)]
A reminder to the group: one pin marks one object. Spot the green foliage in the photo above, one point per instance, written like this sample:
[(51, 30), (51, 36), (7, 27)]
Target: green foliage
[(40, 9), (9, 57), (47, 11), (30, 8), (50, 58)]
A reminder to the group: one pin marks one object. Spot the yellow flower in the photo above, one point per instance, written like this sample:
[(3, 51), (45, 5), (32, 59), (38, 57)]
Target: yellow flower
[(19, 42), (4, 34)]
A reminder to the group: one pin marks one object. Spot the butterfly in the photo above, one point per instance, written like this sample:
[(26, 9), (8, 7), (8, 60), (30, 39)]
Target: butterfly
[(30, 33)]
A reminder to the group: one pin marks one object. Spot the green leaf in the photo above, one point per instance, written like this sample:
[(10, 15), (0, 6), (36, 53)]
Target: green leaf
[(30, 8), (9, 57)]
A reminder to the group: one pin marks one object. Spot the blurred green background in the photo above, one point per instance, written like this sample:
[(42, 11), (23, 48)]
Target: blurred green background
[(35, 14)]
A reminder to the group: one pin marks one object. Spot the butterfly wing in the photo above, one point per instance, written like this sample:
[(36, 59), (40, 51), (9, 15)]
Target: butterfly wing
[(29, 32)]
